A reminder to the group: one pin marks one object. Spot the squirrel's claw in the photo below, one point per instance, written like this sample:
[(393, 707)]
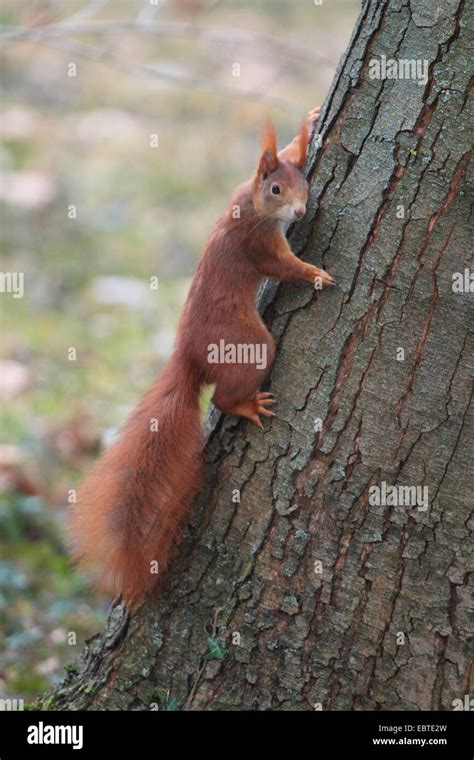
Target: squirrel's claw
[(264, 399), (323, 276), (313, 116), (261, 401), (262, 409), (254, 407)]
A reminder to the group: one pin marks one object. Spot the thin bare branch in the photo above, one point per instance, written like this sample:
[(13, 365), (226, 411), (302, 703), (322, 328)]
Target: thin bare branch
[(212, 34), (155, 71), (93, 7)]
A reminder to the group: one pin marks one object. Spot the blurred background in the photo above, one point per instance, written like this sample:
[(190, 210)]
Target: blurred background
[(126, 125)]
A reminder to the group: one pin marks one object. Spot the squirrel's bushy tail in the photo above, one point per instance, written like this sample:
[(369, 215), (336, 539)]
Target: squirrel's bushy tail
[(131, 509)]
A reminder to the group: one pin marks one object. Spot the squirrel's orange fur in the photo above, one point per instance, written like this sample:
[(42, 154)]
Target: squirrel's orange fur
[(132, 507)]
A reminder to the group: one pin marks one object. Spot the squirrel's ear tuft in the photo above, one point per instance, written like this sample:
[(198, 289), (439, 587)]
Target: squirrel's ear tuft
[(303, 140), (268, 161), (268, 137)]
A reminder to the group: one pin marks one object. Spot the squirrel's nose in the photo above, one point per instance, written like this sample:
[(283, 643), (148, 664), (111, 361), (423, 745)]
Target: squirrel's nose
[(300, 211)]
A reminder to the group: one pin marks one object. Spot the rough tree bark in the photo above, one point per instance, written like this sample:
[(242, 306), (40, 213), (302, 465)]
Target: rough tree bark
[(292, 637)]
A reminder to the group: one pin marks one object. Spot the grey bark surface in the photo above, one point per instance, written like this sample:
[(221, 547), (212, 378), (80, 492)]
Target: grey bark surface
[(291, 637)]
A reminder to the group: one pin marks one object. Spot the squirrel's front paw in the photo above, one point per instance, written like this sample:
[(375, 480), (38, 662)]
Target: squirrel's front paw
[(321, 277), (313, 116)]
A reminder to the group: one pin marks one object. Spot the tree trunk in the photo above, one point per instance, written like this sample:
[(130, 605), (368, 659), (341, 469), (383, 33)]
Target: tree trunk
[(312, 592)]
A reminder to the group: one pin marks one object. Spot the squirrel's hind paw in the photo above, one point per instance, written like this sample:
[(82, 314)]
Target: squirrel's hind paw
[(255, 406)]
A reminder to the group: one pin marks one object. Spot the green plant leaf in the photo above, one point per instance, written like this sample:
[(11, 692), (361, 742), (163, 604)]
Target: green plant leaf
[(214, 650)]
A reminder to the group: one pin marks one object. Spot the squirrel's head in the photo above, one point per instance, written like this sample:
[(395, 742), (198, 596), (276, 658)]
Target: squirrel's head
[(280, 190)]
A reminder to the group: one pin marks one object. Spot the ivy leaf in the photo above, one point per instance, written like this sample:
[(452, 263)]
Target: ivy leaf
[(214, 650)]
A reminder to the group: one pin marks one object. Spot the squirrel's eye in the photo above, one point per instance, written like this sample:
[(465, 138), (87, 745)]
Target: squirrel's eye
[(276, 189)]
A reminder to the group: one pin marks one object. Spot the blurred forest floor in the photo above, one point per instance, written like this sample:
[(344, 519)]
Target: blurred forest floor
[(90, 334)]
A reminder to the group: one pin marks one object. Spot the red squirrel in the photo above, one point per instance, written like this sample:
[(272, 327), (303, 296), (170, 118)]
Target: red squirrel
[(132, 507)]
